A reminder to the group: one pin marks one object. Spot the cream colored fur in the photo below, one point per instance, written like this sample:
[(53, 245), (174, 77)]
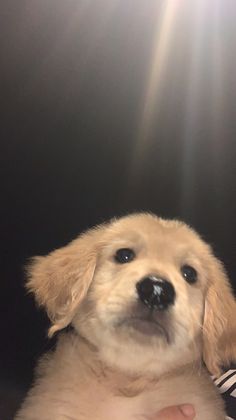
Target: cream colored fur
[(105, 369)]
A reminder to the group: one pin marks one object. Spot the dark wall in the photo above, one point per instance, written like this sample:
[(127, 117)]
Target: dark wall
[(74, 80)]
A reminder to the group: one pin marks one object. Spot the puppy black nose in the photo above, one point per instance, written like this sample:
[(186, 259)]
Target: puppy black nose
[(156, 293)]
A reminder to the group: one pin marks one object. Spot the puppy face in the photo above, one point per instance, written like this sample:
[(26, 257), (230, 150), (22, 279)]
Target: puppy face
[(138, 290), (121, 313)]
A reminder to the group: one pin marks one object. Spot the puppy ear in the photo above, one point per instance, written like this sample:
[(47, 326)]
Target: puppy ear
[(219, 327), (60, 281)]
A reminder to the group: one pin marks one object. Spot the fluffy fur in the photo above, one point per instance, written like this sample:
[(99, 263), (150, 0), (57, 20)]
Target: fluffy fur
[(106, 368)]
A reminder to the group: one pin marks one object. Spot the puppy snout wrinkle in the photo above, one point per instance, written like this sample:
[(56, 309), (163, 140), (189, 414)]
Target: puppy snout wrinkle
[(155, 292)]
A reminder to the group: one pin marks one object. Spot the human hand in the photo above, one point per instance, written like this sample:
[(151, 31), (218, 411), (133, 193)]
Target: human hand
[(182, 412)]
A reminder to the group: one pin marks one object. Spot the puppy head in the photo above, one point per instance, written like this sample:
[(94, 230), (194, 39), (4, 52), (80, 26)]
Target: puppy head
[(146, 292)]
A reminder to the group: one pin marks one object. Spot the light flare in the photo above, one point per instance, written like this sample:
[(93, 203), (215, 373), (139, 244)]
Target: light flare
[(162, 44)]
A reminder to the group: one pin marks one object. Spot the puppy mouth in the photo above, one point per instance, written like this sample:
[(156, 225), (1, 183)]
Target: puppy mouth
[(145, 326)]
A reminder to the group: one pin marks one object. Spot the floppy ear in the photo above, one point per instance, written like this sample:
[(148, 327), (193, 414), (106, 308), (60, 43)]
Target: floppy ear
[(60, 281), (219, 327)]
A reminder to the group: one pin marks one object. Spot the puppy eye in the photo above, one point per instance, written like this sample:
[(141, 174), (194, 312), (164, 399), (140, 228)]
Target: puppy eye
[(124, 255), (189, 273)]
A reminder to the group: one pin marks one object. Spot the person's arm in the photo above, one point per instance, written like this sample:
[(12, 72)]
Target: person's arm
[(183, 412)]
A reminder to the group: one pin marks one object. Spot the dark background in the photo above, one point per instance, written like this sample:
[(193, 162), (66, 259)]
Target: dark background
[(74, 78)]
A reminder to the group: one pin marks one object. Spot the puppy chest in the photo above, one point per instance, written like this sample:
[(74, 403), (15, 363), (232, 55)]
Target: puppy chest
[(106, 406), (101, 404), (117, 408)]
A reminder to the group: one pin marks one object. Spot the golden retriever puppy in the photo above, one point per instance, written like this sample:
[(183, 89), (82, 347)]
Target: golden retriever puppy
[(150, 307)]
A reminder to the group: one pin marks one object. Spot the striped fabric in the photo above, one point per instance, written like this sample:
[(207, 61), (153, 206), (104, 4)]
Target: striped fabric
[(227, 387)]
